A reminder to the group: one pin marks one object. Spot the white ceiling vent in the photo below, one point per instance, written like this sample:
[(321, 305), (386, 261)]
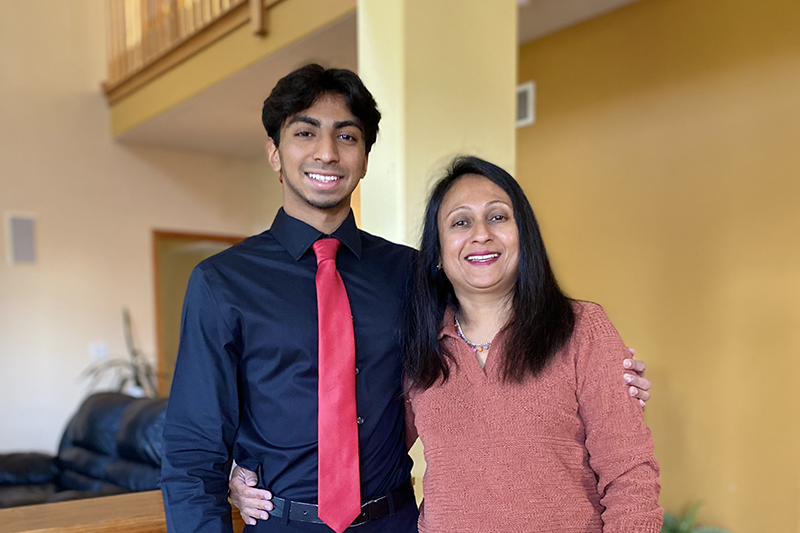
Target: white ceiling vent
[(526, 104)]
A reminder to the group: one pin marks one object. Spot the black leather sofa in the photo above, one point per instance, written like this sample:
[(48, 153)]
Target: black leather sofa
[(112, 445)]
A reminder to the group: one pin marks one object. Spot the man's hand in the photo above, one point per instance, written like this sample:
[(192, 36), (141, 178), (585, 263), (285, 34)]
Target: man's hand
[(639, 385), (252, 503)]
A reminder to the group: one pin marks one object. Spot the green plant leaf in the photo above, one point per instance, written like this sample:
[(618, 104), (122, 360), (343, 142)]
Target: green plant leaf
[(671, 523), (688, 520), (102, 366), (676, 524)]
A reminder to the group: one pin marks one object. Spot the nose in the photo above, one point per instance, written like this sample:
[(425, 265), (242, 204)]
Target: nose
[(326, 149), (480, 231)]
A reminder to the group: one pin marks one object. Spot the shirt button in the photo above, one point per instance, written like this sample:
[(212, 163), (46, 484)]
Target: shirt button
[(359, 420), (356, 371)]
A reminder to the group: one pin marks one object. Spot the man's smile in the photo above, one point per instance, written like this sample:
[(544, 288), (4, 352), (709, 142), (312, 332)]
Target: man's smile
[(324, 178)]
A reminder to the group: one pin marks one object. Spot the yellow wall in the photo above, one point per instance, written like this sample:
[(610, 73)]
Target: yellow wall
[(664, 171), (419, 59), (96, 204)]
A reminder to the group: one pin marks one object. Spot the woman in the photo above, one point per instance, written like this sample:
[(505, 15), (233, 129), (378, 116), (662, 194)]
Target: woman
[(514, 388), (490, 344)]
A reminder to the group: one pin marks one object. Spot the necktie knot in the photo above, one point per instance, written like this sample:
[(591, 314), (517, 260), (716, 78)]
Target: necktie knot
[(326, 249)]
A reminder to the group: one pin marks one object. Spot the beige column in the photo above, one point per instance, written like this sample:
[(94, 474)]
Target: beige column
[(444, 75)]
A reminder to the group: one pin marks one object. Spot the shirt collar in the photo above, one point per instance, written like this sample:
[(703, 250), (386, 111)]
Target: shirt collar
[(448, 324), (297, 236)]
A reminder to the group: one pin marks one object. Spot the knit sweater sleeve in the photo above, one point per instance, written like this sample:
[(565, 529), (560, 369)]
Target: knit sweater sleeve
[(619, 442)]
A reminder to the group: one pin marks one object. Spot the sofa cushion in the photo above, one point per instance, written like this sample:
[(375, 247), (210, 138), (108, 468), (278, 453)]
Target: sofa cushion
[(69, 495), (26, 495), (95, 425), (27, 469), (140, 430), (86, 462), (134, 476), (70, 480)]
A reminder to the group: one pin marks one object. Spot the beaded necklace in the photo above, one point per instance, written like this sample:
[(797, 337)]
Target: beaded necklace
[(475, 347)]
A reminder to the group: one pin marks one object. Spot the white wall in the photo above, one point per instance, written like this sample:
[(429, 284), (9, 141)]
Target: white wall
[(96, 203)]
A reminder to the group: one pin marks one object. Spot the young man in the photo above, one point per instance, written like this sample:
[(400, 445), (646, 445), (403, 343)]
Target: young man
[(268, 373)]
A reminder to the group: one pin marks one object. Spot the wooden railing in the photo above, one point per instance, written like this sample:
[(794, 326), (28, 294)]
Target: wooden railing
[(143, 34)]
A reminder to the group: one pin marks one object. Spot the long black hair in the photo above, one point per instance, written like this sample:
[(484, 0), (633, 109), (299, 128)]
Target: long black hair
[(542, 319)]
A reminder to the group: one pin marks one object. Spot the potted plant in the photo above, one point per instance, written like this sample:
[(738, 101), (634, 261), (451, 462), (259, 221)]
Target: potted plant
[(134, 375), (685, 524)]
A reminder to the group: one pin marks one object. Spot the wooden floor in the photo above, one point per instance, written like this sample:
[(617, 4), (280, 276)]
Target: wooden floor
[(141, 512)]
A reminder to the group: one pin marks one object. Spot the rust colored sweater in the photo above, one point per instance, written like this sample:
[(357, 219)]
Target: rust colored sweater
[(565, 452)]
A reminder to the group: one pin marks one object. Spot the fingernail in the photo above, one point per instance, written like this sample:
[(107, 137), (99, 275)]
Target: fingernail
[(633, 391), (627, 363), (628, 378), (641, 402), (263, 516)]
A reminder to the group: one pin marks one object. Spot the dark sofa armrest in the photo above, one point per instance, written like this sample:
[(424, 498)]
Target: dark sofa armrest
[(27, 469)]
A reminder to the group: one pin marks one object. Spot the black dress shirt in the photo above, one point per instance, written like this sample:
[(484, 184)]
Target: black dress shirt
[(245, 384)]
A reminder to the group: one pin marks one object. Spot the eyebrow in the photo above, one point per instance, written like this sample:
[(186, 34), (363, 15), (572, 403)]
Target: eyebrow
[(346, 124), (305, 119), (487, 204), (317, 124)]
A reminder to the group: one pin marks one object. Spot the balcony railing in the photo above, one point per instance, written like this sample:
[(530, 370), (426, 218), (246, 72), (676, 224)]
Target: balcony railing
[(144, 33)]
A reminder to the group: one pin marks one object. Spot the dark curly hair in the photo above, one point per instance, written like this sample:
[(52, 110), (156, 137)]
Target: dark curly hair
[(299, 90)]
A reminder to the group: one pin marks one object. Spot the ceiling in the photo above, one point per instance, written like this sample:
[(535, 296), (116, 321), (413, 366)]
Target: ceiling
[(226, 119), (538, 18)]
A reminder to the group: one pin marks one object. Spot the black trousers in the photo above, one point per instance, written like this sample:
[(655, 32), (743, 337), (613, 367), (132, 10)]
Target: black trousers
[(403, 521)]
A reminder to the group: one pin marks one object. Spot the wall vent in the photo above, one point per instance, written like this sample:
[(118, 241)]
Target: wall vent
[(21, 233), (526, 104)]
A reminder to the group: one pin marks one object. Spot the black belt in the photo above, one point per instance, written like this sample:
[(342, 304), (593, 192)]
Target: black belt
[(371, 510)]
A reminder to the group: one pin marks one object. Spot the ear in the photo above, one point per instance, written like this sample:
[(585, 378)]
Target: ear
[(366, 161), (273, 155)]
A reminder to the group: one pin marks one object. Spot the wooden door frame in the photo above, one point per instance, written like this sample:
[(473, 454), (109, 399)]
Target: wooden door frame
[(158, 236)]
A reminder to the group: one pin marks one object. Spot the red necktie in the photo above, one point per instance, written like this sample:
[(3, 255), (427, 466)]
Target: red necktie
[(339, 480)]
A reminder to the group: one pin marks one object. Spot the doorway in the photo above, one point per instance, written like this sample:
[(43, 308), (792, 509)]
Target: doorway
[(174, 256)]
